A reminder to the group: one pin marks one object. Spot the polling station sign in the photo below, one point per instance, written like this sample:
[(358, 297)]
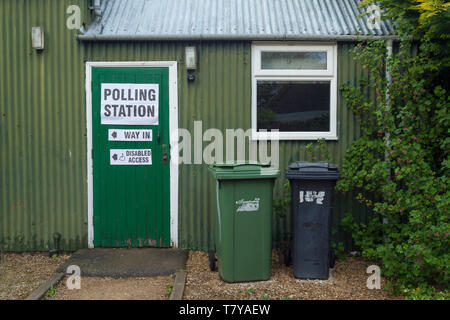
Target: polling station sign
[(129, 104), (130, 157), (130, 135)]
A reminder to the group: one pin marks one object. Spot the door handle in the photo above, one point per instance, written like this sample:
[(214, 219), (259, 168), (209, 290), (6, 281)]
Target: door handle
[(165, 157)]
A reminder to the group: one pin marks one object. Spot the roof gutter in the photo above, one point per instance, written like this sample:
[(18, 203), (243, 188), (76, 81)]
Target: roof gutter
[(178, 37)]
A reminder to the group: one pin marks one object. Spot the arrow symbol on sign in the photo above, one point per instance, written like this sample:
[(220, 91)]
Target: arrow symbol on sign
[(115, 157), (114, 134)]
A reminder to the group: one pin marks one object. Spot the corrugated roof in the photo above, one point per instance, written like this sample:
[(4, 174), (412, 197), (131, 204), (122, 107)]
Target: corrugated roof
[(232, 19)]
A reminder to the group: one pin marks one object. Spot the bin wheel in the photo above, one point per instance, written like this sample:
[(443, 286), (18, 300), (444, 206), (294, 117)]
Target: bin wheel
[(212, 260), (287, 257), (332, 258)]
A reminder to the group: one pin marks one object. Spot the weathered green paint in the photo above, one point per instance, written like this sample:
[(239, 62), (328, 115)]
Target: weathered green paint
[(42, 128), (131, 203), (43, 160)]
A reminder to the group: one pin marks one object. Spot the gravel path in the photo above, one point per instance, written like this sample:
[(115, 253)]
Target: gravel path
[(348, 282), (21, 273), (156, 288)]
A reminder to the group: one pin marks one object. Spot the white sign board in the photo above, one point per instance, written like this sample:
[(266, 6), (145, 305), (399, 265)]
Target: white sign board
[(130, 157), (129, 135), (129, 104)]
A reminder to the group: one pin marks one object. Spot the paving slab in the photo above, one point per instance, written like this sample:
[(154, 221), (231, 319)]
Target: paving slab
[(127, 262), (43, 288), (178, 286)]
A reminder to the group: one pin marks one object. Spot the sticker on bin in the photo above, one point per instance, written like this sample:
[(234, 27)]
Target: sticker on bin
[(248, 205), (310, 196)]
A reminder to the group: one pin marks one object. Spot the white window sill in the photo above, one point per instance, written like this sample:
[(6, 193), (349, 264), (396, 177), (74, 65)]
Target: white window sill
[(311, 136)]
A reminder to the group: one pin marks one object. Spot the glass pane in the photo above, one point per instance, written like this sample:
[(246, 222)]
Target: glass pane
[(293, 105), (294, 60)]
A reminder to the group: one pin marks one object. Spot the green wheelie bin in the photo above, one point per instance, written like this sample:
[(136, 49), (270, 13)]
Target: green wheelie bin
[(243, 220)]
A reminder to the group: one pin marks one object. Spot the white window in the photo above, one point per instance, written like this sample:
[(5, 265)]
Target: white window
[(294, 90)]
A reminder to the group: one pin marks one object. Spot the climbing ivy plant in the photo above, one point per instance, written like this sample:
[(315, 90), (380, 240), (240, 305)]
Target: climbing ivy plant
[(401, 165)]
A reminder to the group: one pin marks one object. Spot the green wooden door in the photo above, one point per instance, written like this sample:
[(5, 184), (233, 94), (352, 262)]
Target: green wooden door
[(130, 151)]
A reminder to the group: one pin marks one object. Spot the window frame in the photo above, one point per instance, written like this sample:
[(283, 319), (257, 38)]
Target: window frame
[(330, 74)]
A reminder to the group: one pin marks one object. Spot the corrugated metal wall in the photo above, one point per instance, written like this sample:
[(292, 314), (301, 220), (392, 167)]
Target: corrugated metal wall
[(43, 126)]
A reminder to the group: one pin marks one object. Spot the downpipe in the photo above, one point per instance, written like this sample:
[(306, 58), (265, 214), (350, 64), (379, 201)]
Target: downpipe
[(97, 7)]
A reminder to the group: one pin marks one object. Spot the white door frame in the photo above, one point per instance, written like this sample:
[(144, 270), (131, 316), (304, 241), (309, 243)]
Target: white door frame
[(173, 128)]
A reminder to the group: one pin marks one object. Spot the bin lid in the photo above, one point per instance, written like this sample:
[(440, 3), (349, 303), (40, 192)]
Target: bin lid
[(243, 170), (312, 171)]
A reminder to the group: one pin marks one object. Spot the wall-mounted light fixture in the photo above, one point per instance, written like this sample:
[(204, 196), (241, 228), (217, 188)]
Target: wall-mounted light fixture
[(37, 38), (191, 62)]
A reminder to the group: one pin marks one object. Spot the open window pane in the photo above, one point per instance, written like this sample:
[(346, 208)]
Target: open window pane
[(294, 60), (293, 106)]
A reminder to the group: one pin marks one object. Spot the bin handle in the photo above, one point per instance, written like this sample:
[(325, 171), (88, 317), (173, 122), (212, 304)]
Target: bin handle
[(317, 166)]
